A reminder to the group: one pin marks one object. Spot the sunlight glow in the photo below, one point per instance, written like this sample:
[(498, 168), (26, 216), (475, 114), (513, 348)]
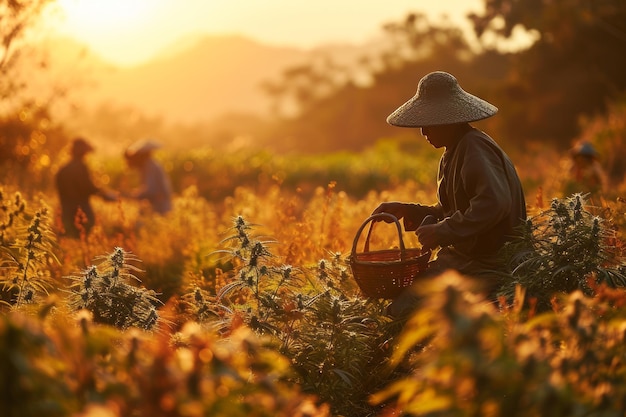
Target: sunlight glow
[(129, 32), (115, 29), (104, 15)]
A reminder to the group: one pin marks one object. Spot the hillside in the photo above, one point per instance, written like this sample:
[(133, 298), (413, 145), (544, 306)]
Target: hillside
[(217, 75), (201, 90), (198, 80)]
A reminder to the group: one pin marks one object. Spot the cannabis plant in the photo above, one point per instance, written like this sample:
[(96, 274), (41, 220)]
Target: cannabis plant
[(26, 251), (560, 250), (105, 290), (313, 315), (482, 361)]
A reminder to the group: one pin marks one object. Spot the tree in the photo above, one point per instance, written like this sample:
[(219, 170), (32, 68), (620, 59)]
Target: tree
[(574, 68), (25, 125), (350, 114), (16, 17)]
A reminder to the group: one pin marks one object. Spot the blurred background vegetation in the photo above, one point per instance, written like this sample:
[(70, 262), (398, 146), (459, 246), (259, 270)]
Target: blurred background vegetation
[(324, 120), (307, 170), (565, 86)]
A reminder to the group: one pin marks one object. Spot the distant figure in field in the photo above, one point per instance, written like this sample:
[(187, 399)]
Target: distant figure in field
[(155, 185), (75, 187), (585, 172), (480, 200)]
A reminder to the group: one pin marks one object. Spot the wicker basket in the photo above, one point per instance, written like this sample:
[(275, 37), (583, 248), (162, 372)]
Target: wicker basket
[(385, 273)]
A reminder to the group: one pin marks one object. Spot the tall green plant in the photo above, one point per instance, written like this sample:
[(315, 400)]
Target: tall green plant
[(472, 359), (30, 385), (26, 251), (561, 249), (105, 290), (314, 317)]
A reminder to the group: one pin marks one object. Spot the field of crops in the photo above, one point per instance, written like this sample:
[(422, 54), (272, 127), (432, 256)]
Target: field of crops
[(241, 302)]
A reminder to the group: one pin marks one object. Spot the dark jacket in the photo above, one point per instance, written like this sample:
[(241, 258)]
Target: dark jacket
[(480, 204), (75, 187)]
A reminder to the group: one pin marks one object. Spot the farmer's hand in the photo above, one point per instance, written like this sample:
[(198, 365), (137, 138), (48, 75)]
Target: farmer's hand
[(413, 214), (395, 208)]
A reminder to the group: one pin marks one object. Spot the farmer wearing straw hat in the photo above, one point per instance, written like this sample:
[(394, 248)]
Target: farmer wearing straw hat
[(156, 187), (75, 187), (480, 201)]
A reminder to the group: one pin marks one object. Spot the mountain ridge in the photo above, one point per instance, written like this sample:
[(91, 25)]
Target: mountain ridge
[(195, 80)]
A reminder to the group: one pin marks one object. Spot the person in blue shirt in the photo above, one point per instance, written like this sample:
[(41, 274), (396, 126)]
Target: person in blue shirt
[(155, 186)]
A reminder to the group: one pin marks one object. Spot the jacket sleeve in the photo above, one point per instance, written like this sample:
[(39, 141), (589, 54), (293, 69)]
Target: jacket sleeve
[(482, 184)]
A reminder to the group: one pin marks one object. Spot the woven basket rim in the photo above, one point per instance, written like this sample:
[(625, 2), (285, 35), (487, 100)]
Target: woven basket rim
[(371, 219), (384, 278)]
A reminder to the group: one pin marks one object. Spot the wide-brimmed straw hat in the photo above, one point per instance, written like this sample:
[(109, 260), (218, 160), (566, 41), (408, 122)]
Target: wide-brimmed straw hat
[(80, 147), (142, 146), (440, 100)]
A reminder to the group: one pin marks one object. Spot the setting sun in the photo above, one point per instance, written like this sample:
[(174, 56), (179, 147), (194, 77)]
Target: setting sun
[(115, 29), (104, 15)]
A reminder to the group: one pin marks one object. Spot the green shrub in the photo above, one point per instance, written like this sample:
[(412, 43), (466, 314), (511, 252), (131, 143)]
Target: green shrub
[(468, 358), (105, 291), (59, 365), (560, 250), (314, 317), (29, 379), (26, 251)]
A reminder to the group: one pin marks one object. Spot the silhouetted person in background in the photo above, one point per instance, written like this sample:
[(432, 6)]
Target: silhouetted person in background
[(155, 185), (585, 172), (480, 201), (75, 188)]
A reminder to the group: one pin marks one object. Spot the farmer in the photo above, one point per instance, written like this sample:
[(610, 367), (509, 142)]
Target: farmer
[(155, 185), (480, 201), (75, 188), (585, 172)]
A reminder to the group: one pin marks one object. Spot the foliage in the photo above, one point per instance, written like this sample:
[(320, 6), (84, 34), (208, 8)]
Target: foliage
[(25, 126), (343, 107), (605, 132), (29, 383), (560, 249), (277, 327), (216, 175), (570, 69), (470, 359), (301, 327), (29, 146), (330, 335), (26, 250), (105, 291), (575, 53), (29, 141), (347, 106), (16, 18), (60, 365)]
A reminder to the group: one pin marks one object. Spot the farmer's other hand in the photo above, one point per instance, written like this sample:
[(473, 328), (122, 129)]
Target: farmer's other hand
[(427, 232), (427, 235)]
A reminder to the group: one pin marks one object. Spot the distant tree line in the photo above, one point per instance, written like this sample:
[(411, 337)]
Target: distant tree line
[(575, 68)]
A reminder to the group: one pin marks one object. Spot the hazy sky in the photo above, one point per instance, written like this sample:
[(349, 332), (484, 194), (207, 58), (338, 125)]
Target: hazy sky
[(127, 32)]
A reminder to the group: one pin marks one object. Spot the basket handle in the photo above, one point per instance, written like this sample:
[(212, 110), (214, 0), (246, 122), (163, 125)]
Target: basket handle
[(378, 217)]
